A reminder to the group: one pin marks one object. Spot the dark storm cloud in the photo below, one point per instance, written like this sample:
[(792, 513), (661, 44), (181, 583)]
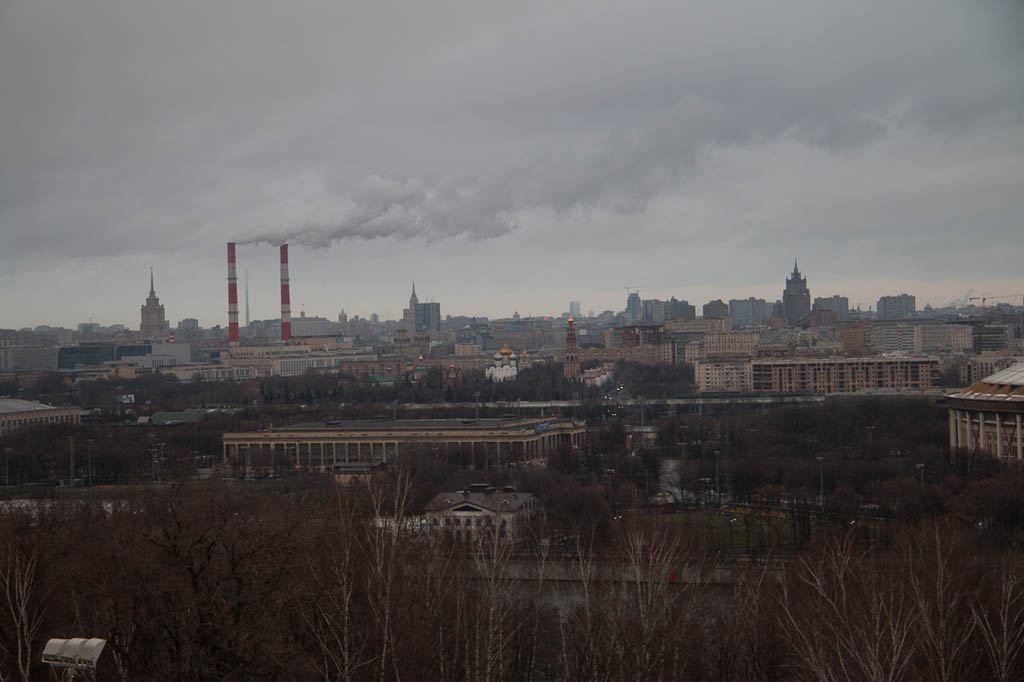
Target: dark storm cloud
[(148, 128)]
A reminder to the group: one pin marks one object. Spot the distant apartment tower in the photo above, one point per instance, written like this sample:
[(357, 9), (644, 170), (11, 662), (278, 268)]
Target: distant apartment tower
[(900, 307), (796, 297), (634, 307), (574, 309), (152, 327), (188, 325), (714, 309), (840, 305), (747, 312)]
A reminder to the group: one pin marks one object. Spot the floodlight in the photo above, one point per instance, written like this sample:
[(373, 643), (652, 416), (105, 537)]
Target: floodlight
[(69, 656)]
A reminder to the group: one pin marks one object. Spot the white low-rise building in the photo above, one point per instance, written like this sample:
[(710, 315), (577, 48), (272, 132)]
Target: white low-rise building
[(482, 512)]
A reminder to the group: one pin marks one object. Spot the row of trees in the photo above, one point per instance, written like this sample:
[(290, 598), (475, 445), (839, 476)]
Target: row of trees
[(210, 582)]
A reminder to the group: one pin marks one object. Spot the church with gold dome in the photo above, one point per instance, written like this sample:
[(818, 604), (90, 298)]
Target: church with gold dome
[(506, 364)]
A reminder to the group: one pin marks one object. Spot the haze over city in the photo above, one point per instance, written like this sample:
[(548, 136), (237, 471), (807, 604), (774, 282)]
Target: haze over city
[(507, 158)]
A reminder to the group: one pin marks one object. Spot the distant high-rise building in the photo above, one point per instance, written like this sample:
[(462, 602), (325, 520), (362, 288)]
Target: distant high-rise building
[(681, 310), (634, 307), (653, 310), (840, 305), (715, 309), (900, 307), (153, 327), (188, 325), (748, 312), (574, 309), (409, 314), (796, 297), (428, 317), (572, 353)]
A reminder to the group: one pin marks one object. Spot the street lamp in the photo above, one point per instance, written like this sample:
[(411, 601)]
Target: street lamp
[(821, 485), (718, 489)]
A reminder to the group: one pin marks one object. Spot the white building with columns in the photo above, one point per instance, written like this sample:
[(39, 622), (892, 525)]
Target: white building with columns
[(986, 416)]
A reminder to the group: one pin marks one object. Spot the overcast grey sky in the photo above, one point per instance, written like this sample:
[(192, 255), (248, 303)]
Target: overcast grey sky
[(506, 156)]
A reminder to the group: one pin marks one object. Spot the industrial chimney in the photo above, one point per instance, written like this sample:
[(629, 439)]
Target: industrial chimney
[(286, 307), (232, 297)]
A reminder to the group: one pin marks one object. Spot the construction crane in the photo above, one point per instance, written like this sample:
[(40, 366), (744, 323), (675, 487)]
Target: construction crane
[(984, 299)]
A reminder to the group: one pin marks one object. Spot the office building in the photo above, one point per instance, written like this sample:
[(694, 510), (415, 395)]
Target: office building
[(574, 309)]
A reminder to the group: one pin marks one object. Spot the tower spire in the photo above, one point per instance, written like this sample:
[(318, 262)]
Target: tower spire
[(152, 290)]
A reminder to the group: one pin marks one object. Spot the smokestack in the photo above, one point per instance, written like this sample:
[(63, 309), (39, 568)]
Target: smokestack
[(286, 304), (232, 297)]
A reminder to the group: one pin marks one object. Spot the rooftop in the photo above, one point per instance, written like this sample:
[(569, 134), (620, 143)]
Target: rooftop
[(1004, 385), (483, 497), (8, 405), (419, 424)]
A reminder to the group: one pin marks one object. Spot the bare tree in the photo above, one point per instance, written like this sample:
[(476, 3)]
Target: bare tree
[(383, 547), (998, 611), (940, 586), (22, 603), (848, 616), (332, 613)]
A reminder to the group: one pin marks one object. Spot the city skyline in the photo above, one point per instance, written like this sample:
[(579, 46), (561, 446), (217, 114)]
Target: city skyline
[(269, 308), (508, 158)]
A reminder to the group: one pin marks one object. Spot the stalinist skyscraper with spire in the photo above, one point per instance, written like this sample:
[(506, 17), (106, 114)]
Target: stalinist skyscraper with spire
[(409, 314), (153, 326), (796, 297)]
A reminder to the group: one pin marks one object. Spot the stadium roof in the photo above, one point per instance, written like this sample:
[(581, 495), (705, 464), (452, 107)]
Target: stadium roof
[(1011, 375), (1004, 385)]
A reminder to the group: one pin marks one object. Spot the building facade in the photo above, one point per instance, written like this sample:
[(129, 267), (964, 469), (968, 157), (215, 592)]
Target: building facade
[(16, 414), (356, 447)]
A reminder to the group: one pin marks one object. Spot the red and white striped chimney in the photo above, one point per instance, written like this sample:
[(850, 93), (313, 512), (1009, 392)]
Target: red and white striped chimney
[(232, 297), (286, 303)]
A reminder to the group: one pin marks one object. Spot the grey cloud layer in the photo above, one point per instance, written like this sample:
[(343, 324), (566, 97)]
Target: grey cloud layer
[(148, 127)]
